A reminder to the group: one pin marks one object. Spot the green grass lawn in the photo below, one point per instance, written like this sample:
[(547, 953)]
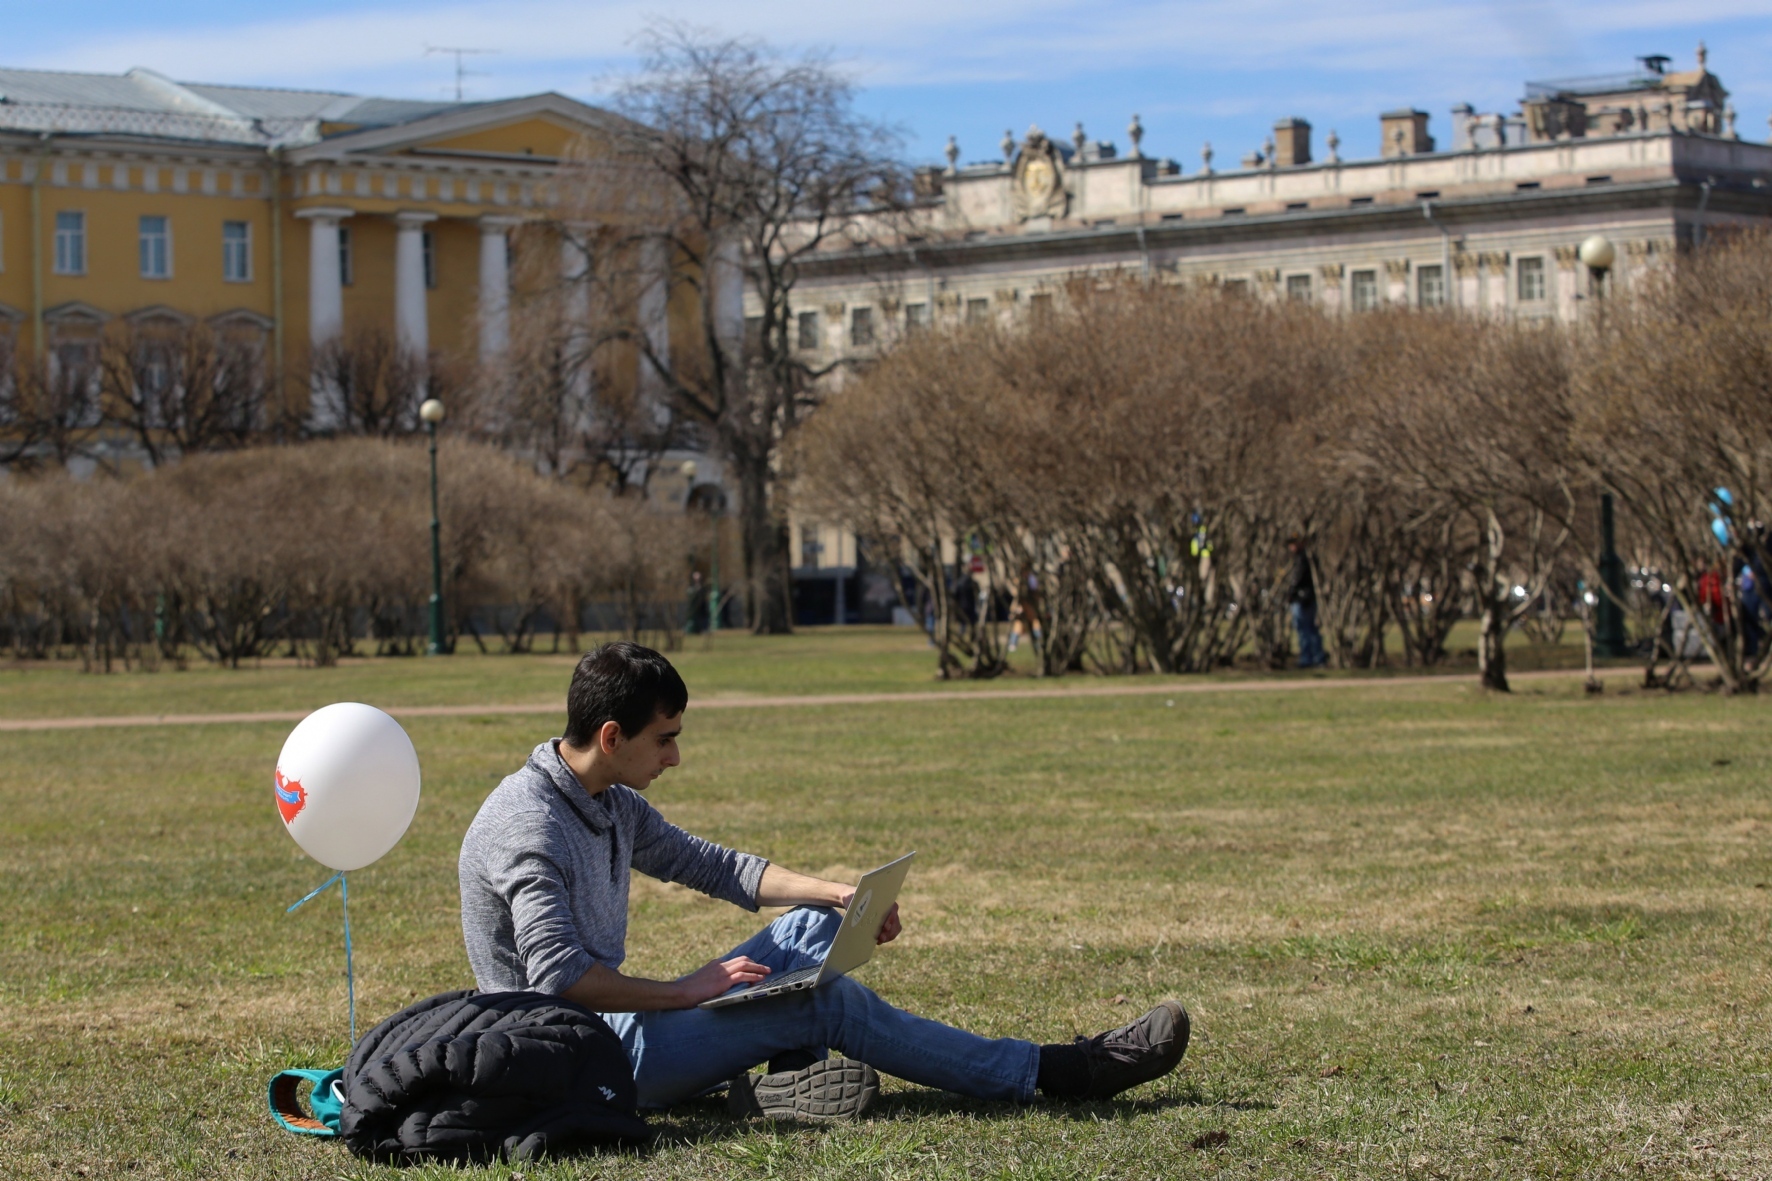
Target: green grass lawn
[(815, 661), (1423, 932)]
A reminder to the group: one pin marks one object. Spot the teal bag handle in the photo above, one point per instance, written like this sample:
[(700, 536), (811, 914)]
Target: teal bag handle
[(327, 1101)]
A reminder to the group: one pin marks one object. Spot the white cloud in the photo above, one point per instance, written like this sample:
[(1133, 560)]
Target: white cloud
[(911, 42)]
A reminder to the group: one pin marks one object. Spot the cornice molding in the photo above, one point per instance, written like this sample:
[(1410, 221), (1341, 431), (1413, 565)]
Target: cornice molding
[(1123, 241)]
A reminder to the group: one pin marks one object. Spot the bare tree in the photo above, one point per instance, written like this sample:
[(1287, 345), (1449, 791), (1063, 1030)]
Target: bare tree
[(567, 395), (50, 408), (364, 382), (1674, 417), (183, 388), (1470, 422), (734, 166)]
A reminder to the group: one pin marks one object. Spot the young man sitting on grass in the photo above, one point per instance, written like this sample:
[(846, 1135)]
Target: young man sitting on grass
[(544, 908)]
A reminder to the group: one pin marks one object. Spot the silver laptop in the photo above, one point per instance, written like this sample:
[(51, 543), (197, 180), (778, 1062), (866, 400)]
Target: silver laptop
[(853, 946)]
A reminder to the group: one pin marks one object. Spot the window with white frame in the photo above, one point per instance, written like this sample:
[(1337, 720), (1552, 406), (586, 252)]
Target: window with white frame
[(154, 235), (430, 255), (1298, 288), (1530, 272), (236, 251), (806, 331), (344, 256), (70, 243), (916, 317), (1430, 286), (1363, 290), (978, 311)]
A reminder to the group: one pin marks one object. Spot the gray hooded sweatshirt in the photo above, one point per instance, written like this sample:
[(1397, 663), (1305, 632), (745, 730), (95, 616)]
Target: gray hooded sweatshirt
[(544, 875)]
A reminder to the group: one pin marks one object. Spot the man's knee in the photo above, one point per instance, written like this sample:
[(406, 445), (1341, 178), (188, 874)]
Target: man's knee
[(808, 924)]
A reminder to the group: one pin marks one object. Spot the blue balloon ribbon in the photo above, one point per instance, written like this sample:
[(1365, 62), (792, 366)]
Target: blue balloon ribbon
[(344, 893)]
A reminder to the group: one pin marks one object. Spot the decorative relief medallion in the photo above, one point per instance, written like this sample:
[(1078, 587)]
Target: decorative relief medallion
[(1037, 187)]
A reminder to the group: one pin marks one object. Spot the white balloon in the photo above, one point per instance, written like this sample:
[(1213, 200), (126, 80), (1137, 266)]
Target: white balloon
[(347, 784)]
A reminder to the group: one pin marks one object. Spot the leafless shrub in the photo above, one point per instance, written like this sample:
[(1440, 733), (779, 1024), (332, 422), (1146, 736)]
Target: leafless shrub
[(1673, 415), (1124, 454), (1145, 455), (318, 546)]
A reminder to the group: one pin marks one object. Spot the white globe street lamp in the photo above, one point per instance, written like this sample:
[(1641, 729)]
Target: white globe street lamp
[(1597, 253)]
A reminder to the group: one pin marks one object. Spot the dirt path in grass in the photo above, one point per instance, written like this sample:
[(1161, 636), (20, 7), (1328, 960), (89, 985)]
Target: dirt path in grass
[(1126, 688)]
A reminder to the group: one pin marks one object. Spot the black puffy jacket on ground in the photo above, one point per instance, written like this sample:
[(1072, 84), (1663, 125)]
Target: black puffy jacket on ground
[(472, 1076)]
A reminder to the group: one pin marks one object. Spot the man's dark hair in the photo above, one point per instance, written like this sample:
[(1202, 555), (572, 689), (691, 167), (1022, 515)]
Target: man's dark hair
[(625, 683)]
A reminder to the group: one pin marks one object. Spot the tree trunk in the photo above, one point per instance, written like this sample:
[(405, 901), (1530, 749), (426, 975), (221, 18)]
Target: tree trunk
[(1491, 648), (765, 549)]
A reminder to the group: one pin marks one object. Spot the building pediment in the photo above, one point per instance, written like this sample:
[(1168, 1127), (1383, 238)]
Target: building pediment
[(540, 125), (75, 312), (157, 315)]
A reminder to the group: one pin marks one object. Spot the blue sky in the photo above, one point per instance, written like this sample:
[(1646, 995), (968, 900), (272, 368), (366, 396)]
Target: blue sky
[(1217, 70)]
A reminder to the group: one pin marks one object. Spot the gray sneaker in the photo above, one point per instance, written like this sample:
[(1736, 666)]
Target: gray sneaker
[(829, 1091)]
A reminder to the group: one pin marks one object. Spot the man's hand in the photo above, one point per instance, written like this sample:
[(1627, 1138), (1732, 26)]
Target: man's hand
[(889, 929), (716, 976)]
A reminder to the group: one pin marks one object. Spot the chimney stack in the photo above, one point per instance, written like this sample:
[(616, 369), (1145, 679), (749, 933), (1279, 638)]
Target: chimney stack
[(1292, 143), (1404, 133)]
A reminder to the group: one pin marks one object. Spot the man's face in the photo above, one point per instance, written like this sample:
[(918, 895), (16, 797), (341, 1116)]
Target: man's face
[(637, 761)]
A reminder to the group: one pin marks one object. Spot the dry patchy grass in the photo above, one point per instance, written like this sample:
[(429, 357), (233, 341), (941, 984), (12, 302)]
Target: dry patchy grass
[(1423, 932)]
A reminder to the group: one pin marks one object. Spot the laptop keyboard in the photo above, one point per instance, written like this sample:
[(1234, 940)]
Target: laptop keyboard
[(793, 977)]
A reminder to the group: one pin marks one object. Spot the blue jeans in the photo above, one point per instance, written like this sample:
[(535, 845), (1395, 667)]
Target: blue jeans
[(1310, 640), (679, 1053)]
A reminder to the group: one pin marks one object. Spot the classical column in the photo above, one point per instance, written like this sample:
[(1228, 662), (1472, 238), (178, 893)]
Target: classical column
[(1333, 273), (1470, 281), (326, 296), (411, 315), (575, 279), (728, 278), (654, 309), (1396, 273), (495, 286), (1568, 288)]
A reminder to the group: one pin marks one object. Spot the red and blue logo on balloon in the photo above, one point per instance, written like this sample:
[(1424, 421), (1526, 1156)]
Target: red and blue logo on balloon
[(292, 797)]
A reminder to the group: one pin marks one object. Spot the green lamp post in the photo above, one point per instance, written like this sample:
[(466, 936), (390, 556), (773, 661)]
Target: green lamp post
[(688, 469), (432, 414), (1598, 254)]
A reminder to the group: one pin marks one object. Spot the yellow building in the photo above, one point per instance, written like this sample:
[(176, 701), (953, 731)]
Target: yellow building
[(287, 214)]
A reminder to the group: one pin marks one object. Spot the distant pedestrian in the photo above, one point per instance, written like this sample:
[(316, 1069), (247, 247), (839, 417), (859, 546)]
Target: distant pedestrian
[(1749, 586), (1024, 611), (1301, 592), (697, 617)]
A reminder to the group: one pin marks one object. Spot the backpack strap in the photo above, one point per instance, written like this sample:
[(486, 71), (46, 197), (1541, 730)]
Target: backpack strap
[(326, 1100)]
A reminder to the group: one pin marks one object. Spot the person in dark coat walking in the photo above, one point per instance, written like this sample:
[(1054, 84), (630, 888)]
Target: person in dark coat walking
[(1301, 592)]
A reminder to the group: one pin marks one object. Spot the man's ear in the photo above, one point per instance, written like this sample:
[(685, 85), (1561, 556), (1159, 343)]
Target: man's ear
[(609, 737)]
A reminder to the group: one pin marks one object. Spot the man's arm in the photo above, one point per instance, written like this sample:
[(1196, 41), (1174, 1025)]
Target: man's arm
[(604, 990), (784, 887)]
